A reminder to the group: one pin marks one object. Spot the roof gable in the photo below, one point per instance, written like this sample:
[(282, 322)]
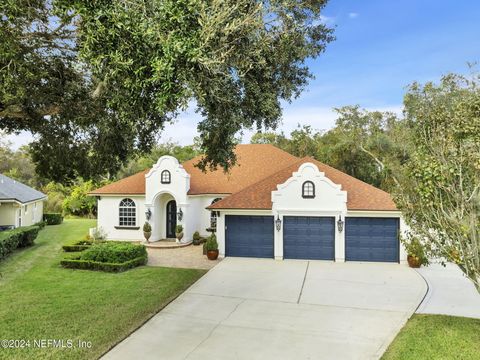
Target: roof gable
[(360, 195), (11, 189)]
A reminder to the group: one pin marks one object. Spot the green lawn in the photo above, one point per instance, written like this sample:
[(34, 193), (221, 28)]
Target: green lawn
[(41, 300), (436, 337)]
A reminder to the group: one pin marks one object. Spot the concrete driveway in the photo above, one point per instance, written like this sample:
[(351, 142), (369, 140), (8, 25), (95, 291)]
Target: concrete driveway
[(266, 309)]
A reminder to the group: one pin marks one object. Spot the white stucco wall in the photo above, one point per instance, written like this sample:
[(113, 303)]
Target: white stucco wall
[(108, 217), (330, 200)]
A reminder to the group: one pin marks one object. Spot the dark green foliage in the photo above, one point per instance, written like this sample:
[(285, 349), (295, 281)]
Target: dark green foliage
[(147, 227), (109, 257), (28, 234), (77, 246), (212, 243), (98, 80), (114, 252), (41, 224), (9, 241), (53, 218), (17, 238), (103, 266), (197, 239)]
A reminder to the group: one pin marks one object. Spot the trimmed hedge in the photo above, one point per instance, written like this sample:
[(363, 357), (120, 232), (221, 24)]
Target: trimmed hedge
[(17, 238), (53, 218), (77, 246), (102, 266), (108, 256), (40, 224), (114, 252)]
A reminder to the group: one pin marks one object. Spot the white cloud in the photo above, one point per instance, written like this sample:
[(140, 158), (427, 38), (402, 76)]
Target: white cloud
[(353, 15)]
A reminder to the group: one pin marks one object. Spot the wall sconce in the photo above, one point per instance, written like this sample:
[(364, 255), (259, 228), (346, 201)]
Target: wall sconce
[(180, 214), (278, 223), (148, 213), (340, 223)]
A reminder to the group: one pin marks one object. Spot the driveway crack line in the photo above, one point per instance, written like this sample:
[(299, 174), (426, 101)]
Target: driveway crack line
[(303, 283), (212, 331)]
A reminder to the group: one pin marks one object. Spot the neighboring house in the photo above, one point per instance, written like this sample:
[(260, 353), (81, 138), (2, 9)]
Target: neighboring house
[(271, 204), (20, 205)]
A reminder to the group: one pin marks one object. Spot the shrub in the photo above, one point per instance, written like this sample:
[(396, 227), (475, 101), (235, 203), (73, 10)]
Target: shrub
[(98, 234), (179, 229), (53, 218), (40, 224), (197, 239), (414, 248), (113, 252), (77, 246), (101, 266), (28, 235), (108, 256), (211, 243), (147, 227), (16, 238)]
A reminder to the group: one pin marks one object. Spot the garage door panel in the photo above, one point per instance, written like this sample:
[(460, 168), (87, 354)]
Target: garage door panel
[(309, 238), (249, 236), (371, 239)]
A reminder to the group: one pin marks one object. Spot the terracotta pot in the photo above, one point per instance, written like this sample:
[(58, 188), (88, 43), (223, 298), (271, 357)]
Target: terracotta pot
[(413, 261), (147, 235), (179, 236), (212, 254)]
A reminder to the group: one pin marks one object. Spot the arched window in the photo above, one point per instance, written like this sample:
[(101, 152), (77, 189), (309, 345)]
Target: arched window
[(214, 214), (166, 178), (308, 190), (127, 213)]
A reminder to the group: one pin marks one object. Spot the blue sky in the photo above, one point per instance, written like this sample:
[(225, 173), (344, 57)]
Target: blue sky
[(381, 47)]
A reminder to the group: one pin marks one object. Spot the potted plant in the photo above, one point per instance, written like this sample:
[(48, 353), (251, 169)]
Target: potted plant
[(147, 230), (197, 239), (179, 232), (415, 253), (212, 247)]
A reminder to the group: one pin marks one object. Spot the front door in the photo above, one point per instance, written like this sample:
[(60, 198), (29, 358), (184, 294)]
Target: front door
[(171, 218)]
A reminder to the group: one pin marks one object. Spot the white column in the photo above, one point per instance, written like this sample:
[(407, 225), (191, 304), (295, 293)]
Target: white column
[(340, 240), (278, 239)]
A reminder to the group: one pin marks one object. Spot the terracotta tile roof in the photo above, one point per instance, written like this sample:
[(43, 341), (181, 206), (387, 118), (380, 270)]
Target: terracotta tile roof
[(360, 195), (132, 185), (254, 162)]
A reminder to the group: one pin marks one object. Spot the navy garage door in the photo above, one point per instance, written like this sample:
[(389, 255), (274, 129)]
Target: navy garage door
[(311, 238), (249, 236), (371, 239)]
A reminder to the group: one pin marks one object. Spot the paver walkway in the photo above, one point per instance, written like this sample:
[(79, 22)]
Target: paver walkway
[(185, 257)]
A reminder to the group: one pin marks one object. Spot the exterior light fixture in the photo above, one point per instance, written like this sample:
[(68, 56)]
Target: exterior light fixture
[(180, 214), (148, 213), (340, 223), (278, 223)]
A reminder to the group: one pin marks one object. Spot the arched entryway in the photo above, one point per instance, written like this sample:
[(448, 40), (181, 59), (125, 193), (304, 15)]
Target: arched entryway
[(171, 218)]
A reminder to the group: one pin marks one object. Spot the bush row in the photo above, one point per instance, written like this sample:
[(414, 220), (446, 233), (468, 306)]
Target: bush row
[(103, 266), (114, 252), (17, 238), (53, 218), (77, 246)]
